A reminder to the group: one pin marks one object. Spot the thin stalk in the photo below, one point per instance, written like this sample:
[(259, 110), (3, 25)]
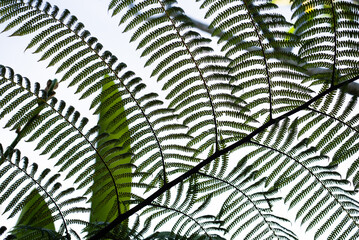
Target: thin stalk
[(199, 166), (49, 93), (51, 85)]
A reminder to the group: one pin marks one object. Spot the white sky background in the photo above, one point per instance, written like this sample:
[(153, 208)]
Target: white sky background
[(94, 14)]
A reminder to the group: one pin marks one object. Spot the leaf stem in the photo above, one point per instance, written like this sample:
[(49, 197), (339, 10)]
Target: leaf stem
[(49, 92), (199, 166), (199, 72), (251, 16), (335, 44)]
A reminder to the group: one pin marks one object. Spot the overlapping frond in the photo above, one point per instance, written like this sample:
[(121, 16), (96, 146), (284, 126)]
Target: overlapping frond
[(58, 130), (81, 57), (186, 221), (323, 199), (19, 177), (249, 96), (247, 210), (257, 41), (197, 79), (329, 32), (333, 127)]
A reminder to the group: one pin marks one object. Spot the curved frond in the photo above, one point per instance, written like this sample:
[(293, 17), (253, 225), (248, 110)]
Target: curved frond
[(182, 59), (20, 190), (81, 58), (258, 52)]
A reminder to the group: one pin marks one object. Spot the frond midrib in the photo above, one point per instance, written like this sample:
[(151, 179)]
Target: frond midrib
[(74, 127), (199, 72), (199, 166), (245, 195), (316, 178), (126, 88), (46, 192)]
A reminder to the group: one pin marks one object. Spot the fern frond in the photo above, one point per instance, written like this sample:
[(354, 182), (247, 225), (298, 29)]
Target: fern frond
[(244, 208), (277, 95), (19, 191), (189, 222), (176, 45), (338, 126), (318, 188), (82, 57), (323, 27), (253, 59)]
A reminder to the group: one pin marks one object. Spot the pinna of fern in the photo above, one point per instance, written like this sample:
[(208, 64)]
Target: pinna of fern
[(245, 207), (342, 130), (60, 205), (18, 94), (52, 126), (256, 42), (72, 154), (89, 65), (318, 189), (329, 33), (198, 79), (189, 222), (200, 91)]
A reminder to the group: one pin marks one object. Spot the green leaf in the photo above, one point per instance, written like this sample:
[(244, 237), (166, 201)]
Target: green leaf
[(101, 208), (33, 213)]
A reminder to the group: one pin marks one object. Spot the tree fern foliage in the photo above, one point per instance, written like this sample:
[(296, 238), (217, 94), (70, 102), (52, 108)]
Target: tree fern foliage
[(251, 119)]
